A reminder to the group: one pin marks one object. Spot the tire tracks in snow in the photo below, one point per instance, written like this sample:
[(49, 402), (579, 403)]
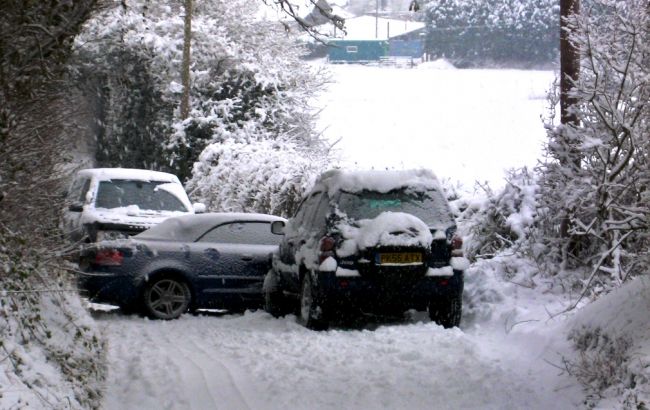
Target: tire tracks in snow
[(257, 362), (169, 365), (226, 398)]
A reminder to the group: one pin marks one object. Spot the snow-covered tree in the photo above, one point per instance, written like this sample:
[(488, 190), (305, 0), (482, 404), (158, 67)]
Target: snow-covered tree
[(248, 83), (250, 86), (476, 32), (597, 175)]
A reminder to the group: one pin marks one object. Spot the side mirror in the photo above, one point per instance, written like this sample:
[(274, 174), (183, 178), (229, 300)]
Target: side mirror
[(277, 227), (76, 208), (199, 208)]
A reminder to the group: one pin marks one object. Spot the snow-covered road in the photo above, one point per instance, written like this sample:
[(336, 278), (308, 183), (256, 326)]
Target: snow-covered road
[(254, 361)]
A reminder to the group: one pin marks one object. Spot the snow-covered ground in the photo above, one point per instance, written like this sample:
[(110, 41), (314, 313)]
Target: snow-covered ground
[(506, 355), (465, 125), (509, 353)]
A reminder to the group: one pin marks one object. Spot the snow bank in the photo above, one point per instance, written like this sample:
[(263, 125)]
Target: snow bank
[(612, 335), (51, 354), (624, 311)]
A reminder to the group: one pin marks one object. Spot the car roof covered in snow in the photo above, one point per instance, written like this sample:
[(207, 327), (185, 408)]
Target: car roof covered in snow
[(127, 173), (188, 228), (376, 180)]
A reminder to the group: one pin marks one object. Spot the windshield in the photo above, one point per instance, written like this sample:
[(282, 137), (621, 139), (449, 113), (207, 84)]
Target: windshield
[(430, 206), (147, 195)]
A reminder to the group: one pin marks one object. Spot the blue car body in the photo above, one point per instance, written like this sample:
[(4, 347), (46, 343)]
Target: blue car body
[(221, 258)]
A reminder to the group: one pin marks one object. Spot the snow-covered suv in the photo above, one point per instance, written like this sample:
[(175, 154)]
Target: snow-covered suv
[(109, 203), (378, 241)]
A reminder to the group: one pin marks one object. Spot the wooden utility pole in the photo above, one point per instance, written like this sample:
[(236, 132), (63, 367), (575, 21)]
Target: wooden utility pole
[(569, 61), (569, 72), (185, 71)]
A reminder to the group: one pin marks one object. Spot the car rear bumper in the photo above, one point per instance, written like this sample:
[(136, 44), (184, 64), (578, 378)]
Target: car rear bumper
[(392, 294), (118, 289)]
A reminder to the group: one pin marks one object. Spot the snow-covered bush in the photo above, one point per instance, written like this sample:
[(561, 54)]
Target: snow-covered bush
[(594, 212), (476, 32), (503, 219), (259, 176)]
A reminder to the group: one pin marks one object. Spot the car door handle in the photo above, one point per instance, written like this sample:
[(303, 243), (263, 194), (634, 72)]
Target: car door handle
[(247, 258)]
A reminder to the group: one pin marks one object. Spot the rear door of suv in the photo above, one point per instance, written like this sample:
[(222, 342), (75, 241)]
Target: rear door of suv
[(297, 234)]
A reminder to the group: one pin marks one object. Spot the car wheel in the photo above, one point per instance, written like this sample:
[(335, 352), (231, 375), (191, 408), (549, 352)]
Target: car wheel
[(446, 312), (311, 312), (275, 302), (167, 298)]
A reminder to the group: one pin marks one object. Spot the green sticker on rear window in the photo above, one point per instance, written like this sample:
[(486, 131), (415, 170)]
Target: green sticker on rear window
[(384, 203)]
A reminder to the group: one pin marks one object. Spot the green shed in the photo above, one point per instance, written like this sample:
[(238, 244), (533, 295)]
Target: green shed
[(357, 51)]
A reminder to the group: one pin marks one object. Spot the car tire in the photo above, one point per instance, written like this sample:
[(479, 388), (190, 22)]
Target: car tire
[(311, 313), (275, 303), (166, 298), (446, 312)]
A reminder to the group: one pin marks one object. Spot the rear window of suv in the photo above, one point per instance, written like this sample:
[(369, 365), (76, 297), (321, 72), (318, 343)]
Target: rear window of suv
[(149, 195), (431, 207)]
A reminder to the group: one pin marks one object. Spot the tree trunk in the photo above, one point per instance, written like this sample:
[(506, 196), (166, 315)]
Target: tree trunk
[(185, 75)]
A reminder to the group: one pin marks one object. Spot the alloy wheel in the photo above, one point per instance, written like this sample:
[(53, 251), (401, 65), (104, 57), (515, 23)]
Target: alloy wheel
[(167, 298)]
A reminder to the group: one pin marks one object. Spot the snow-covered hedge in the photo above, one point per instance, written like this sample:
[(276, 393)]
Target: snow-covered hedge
[(260, 176)]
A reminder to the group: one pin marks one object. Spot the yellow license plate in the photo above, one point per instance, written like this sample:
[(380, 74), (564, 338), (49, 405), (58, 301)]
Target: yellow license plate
[(400, 258)]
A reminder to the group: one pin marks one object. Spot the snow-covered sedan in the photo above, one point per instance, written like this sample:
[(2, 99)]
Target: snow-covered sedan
[(369, 241), (212, 260)]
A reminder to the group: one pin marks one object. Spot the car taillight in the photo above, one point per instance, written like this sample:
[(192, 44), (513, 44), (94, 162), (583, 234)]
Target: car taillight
[(327, 245), (109, 257), (456, 246)]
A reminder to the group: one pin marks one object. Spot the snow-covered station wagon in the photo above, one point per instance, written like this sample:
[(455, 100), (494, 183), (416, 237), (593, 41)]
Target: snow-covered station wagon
[(369, 241), (110, 203)]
